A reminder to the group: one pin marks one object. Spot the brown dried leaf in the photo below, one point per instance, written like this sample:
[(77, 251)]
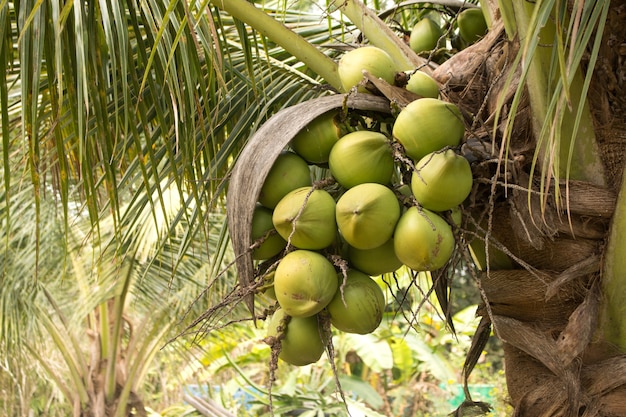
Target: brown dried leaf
[(531, 340), (397, 95), (603, 377), (580, 328), (479, 341), (441, 286), (587, 266), (459, 69)]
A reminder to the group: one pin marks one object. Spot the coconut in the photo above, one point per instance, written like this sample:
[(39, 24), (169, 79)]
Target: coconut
[(425, 36), (423, 241), (472, 25), (456, 216), (288, 172), (367, 215), (360, 157), (376, 261), (423, 85), (262, 226), (443, 180), (314, 142), (306, 218), (268, 285), (457, 42), (427, 125), (304, 283), (301, 343), (374, 60), (364, 304)]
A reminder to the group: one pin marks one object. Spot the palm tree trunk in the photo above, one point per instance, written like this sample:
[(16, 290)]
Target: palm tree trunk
[(544, 257)]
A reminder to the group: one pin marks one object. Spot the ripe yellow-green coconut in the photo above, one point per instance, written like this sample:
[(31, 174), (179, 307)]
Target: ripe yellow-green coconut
[(314, 142), (301, 343), (425, 35), (360, 157), (367, 58), (304, 283), (360, 308), (427, 125), (423, 240), (288, 172), (423, 85), (262, 226), (443, 180), (472, 25), (376, 261), (306, 218), (367, 215)]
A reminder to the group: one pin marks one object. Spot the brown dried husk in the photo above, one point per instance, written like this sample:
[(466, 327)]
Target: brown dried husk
[(545, 310)]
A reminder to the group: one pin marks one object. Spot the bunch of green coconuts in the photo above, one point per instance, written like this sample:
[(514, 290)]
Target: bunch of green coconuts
[(367, 212), (428, 36)]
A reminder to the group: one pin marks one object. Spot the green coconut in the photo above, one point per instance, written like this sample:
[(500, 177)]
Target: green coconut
[(262, 227), (374, 60), (360, 157), (457, 42), (427, 125), (425, 36), (288, 172), (304, 283), (367, 215), (376, 261), (423, 240), (268, 285), (314, 142), (301, 343), (359, 309), (423, 85), (472, 25), (306, 218), (456, 216), (443, 180)]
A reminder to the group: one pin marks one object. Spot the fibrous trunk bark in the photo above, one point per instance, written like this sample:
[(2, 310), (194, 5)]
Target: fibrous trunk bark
[(541, 263)]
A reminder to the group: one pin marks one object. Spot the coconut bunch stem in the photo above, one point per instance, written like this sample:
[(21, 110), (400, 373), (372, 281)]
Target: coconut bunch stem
[(378, 33), (612, 322), (306, 52)]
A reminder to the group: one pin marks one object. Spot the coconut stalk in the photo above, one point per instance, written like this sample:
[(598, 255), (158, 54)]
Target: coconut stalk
[(613, 310), (297, 46)]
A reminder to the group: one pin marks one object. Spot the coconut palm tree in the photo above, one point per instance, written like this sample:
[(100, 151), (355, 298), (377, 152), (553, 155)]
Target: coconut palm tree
[(544, 225), (116, 110)]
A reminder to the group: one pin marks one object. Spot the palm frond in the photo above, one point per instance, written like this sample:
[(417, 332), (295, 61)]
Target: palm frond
[(125, 97), (120, 123), (554, 41)]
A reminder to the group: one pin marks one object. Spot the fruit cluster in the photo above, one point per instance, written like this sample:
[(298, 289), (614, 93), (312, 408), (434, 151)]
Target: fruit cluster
[(378, 206)]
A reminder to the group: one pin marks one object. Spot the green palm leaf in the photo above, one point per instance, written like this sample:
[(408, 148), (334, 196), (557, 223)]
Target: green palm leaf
[(128, 116)]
